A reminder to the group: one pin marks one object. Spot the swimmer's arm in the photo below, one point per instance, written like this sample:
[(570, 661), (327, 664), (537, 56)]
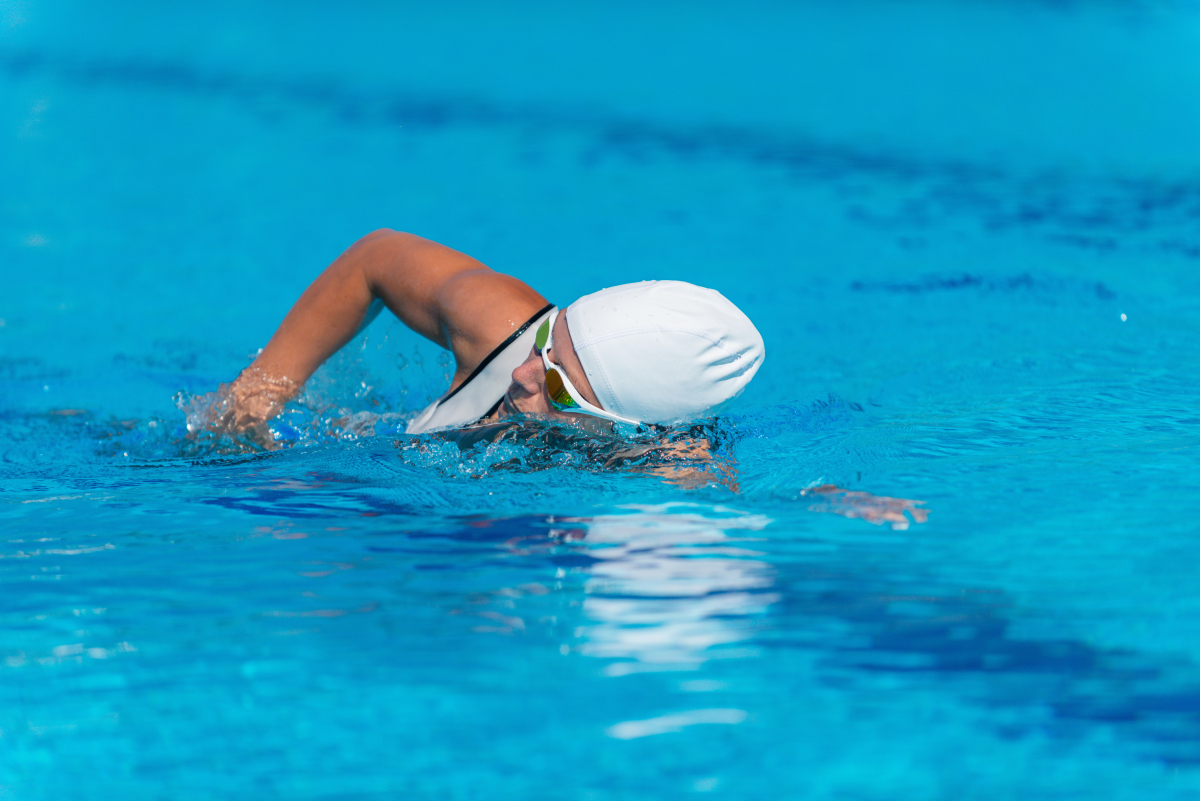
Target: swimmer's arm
[(877, 509), (687, 462), (446, 296), (690, 463)]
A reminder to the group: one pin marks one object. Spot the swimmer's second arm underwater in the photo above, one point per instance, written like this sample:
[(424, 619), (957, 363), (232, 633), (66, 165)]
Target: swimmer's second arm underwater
[(446, 296)]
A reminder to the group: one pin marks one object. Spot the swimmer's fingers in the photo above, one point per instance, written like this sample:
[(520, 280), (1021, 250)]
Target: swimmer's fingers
[(255, 426), (876, 509), (261, 434), (894, 509), (257, 396), (894, 513), (237, 425), (887, 515), (919, 515), (242, 421), (872, 514), (251, 405)]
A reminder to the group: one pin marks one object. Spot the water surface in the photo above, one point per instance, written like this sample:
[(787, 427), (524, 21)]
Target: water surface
[(968, 236)]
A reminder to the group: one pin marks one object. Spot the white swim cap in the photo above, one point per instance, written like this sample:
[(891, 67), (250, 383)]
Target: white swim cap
[(663, 351)]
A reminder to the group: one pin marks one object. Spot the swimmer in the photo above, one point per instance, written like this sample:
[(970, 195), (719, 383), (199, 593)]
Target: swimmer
[(654, 352), (642, 354)]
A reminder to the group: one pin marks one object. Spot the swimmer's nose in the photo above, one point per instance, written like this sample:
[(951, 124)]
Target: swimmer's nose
[(529, 374)]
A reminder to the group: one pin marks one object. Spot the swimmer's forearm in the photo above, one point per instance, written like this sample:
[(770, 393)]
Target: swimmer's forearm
[(321, 321), (406, 272)]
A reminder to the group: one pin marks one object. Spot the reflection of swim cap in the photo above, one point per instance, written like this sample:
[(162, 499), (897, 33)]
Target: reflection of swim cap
[(663, 351)]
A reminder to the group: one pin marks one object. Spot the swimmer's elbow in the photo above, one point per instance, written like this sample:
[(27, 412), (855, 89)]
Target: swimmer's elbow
[(386, 237), (376, 255)]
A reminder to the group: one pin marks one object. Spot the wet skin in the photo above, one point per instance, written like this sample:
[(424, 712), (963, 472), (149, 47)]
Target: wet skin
[(527, 393), (460, 304), (446, 296)]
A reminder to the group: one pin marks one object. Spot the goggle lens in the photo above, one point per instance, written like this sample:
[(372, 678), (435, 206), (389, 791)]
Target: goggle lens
[(555, 388), (558, 392)]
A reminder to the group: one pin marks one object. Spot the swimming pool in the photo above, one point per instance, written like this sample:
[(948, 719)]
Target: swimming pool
[(967, 234)]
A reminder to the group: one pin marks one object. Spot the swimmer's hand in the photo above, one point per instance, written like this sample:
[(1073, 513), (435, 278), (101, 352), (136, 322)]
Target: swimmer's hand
[(242, 408), (877, 509)]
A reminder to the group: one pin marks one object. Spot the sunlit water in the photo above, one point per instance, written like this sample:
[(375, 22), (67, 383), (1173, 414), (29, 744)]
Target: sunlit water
[(983, 297)]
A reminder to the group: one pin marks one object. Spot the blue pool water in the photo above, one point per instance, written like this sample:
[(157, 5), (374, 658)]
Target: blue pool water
[(968, 234)]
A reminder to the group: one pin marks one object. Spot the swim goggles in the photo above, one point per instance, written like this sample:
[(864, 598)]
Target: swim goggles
[(563, 395)]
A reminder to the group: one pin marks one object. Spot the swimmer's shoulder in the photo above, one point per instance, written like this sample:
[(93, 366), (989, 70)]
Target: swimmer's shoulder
[(480, 310)]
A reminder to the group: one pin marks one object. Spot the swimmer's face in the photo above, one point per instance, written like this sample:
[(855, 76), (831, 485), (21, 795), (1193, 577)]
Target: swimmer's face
[(527, 393)]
